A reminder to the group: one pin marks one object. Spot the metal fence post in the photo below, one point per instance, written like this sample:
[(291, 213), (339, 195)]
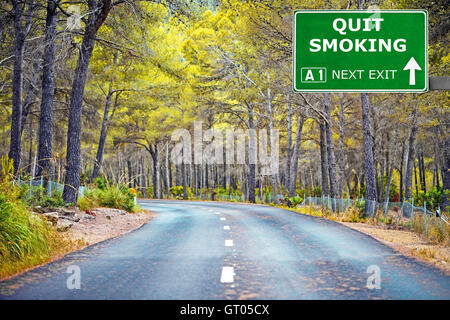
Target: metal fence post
[(412, 213), (425, 216)]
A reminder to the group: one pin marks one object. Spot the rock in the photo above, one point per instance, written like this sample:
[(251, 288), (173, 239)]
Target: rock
[(91, 213), (66, 212), (51, 217), (87, 217), (108, 217), (63, 226), (39, 209), (75, 218), (43, 210)]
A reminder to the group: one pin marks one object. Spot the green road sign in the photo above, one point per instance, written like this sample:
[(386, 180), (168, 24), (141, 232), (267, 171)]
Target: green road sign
[(360, 51)]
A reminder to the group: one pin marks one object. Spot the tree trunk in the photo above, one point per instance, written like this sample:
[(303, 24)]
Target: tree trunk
[(423, 181), (436, 156), (402, 160), (103, 134), (211, 178), (295, 156), (446, 173), (381, 193), (330, 148), (32, 91), (411, 155), (48, 90), (415, 179), (341, 150), (391, 167), (369, 170), (130, 174), (288, 146), (156, 178), (20, 33), (323, 158), (252, 155), (184, 180), (273, 172), (99, 11), (167, 175)]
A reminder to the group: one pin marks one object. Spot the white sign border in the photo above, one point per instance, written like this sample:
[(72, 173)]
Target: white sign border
[(423, 11)]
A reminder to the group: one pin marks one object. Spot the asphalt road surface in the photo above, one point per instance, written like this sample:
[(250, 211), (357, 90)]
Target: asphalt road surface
[(216, 250)]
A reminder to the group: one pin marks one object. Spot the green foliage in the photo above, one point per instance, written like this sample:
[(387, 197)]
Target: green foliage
[(221, 191), (37, 196), (433, 198), (100, 182), (176, 191), (111, 196), (360, 205), (150, 191), (314, 192), (293, 201)]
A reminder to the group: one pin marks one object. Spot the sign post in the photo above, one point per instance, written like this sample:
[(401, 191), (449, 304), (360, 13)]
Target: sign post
[(360, 51)]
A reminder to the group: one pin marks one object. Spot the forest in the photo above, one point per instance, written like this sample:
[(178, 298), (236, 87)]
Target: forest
[(92, 92)]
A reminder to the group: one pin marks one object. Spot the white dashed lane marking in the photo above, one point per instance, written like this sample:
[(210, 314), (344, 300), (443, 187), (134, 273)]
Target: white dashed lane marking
[(229, 243), (227, 275)]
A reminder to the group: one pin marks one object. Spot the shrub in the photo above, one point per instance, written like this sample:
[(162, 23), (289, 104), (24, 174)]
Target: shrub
[(119, 197), (432, 197), (176, 191), (100, 182), (293, 201)]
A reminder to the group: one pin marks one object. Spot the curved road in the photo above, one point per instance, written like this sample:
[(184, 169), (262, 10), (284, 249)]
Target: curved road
[(214, 250)]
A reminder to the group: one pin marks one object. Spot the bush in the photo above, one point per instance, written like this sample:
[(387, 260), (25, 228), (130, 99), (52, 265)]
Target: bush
[(119, 197), (353, 215), (176, 191), (433, 197), (100, 182), (293, 201)]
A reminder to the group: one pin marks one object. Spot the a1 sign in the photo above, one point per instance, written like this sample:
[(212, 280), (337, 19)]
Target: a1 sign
[(360, 51)]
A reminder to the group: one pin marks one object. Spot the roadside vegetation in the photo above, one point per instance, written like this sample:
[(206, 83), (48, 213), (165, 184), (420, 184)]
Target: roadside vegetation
[(104, 194), (26, 239)]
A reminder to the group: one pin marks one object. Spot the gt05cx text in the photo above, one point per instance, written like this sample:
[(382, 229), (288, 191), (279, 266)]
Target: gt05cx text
[(241, 309)]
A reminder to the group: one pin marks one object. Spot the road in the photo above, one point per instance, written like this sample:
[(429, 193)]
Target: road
[(217, 250)]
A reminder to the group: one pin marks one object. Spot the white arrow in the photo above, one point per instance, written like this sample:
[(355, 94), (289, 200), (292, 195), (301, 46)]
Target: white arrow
[(412, 66)]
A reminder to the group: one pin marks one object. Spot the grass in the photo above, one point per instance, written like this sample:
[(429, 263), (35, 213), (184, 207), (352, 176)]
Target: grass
[(26, 240), (109, 196), (437, 232)]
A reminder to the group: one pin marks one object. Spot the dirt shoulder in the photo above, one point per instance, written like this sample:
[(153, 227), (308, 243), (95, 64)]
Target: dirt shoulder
[(407, 243), (104, 223)]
